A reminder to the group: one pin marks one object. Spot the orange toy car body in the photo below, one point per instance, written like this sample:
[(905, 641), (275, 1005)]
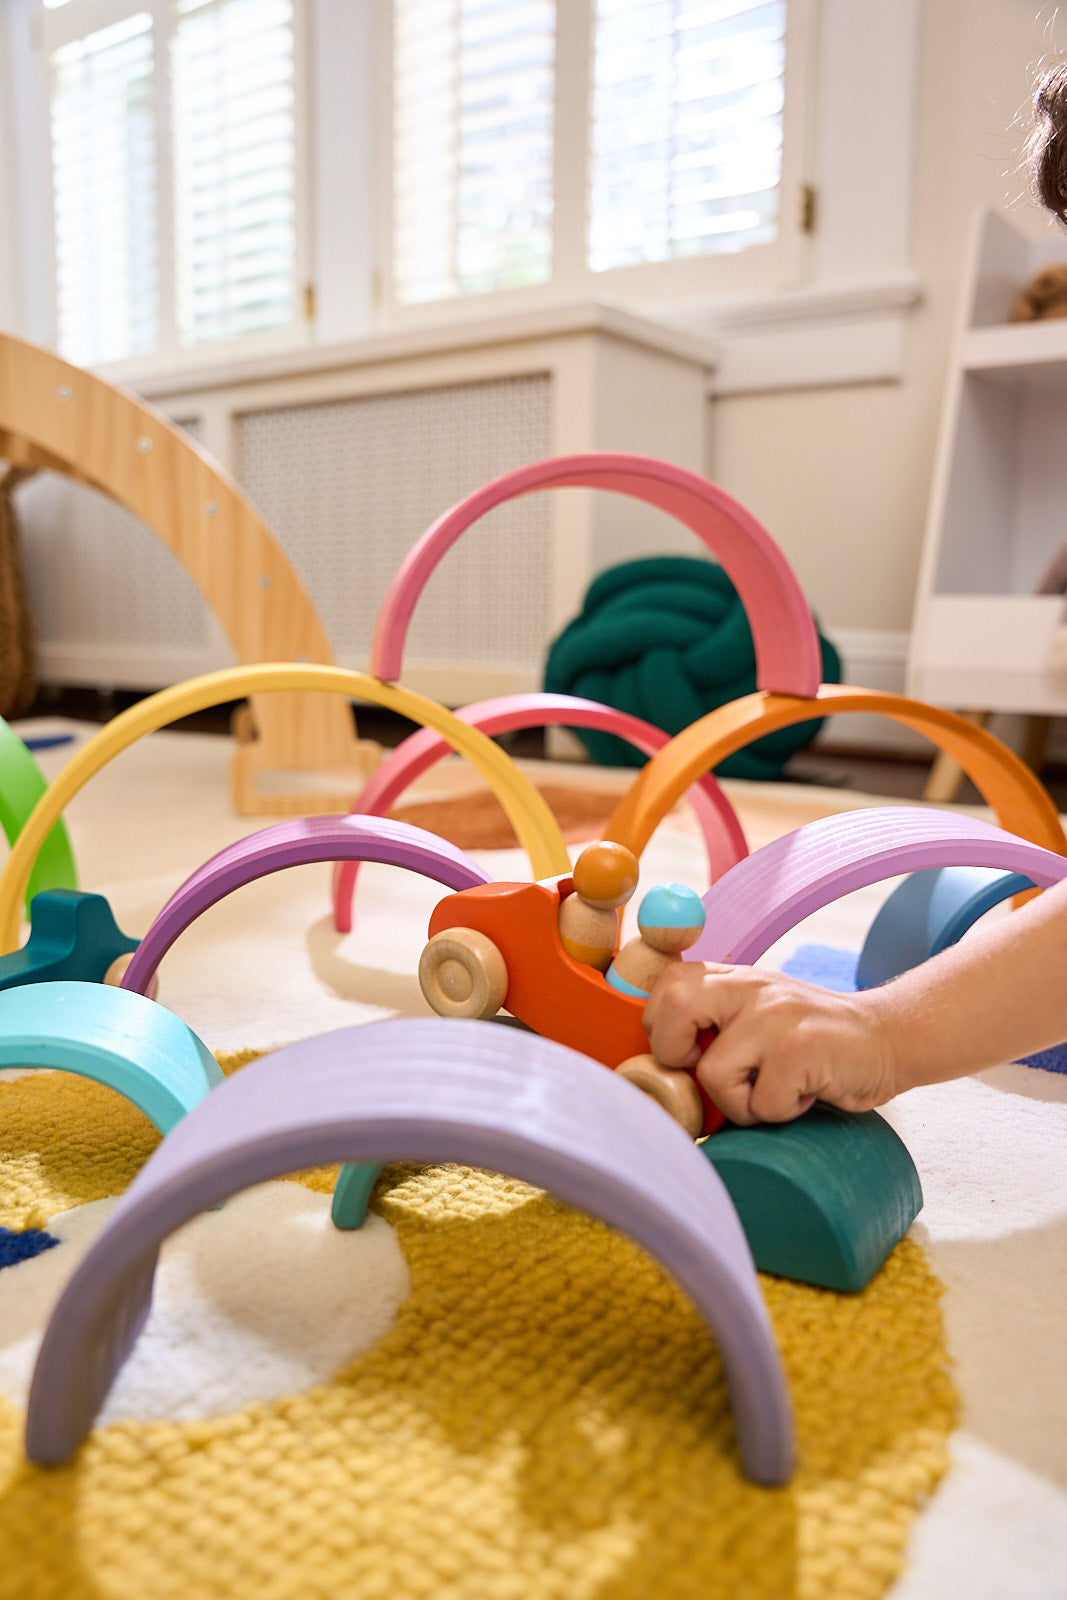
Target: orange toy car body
[(546, 988)]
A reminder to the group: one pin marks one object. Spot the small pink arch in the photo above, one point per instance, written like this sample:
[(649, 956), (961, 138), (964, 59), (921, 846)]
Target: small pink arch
[(292, 844), (783, 632), (724, 837), (774, 889)]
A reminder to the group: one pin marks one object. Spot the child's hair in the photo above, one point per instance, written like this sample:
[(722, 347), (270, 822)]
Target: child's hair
[(1047, 146)]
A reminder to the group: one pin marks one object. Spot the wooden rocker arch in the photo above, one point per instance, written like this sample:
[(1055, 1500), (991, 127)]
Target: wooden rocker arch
[(1018, 799), (536, 827), (58, 418)]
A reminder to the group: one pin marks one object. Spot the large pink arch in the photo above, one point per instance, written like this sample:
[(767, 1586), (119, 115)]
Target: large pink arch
[(724, 838), (785, 638)]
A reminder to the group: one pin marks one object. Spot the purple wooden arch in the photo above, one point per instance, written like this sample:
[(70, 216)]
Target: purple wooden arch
[(788, 659), (779, 885), (292, 844), (724, 838), (426, 1090)]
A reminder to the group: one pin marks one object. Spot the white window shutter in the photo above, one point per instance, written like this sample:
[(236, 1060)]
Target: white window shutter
[(104, 168), (472, 145), (234, 143), (687, 128)]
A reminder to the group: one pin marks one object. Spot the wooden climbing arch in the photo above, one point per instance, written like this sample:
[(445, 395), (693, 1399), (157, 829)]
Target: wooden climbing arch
[(59, 418)]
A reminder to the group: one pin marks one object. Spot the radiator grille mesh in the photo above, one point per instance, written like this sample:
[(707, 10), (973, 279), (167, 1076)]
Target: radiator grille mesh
[(100, 578), (348, 486)]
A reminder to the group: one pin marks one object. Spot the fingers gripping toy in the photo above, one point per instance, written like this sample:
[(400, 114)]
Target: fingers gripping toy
[(669, 919), (499, 945)]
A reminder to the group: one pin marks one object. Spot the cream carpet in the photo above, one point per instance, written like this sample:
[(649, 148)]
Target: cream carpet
[(265, 967)]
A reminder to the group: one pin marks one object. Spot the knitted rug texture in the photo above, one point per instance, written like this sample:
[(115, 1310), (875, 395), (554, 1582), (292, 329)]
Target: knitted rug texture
[(539, 1412)]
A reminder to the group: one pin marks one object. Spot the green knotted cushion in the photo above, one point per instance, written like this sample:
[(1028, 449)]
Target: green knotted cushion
[(666, 638)]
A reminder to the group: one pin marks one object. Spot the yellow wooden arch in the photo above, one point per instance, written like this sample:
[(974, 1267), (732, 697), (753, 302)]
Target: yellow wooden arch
[(526, 808), (57, 417)]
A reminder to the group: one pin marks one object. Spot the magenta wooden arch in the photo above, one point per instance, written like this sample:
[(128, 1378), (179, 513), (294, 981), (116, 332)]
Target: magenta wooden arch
[(788, 658), (291, 844), (772, 890), (724, 838)]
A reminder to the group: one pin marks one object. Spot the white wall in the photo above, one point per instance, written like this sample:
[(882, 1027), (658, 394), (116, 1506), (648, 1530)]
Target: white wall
[(840, 475)]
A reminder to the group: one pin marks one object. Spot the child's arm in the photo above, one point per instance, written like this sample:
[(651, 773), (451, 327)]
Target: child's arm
[(782, 1044)]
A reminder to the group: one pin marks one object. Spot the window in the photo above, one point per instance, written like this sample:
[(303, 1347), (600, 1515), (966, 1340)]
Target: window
[(174, 154), (472, 145), (650, 131), (686, 152), (415, 160)]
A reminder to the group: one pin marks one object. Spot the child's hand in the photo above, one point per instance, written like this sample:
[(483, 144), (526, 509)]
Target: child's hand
[(781, 1045)]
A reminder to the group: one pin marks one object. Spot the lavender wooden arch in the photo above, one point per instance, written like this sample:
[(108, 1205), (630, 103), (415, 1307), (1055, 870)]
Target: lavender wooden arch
[(724, 839), (291, 844), (786, 642), (775, 888), (429, 1090)]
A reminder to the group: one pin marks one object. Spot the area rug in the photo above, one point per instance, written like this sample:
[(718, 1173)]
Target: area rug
[(485, 1393), (522, 1402)]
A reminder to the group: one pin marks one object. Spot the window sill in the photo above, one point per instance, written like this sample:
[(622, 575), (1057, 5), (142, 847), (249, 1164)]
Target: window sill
[(521, 327), (811, 338), (806, 339)]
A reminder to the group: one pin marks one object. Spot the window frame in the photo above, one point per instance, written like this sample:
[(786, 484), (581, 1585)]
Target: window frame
[(775, 266), (51, 29), (843, 319)]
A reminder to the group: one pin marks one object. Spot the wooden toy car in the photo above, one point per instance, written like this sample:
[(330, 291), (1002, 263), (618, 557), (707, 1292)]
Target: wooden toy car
[(498, 945)]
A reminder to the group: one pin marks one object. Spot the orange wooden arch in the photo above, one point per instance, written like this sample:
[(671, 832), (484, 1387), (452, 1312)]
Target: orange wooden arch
[(62, 419), (1019, 800)]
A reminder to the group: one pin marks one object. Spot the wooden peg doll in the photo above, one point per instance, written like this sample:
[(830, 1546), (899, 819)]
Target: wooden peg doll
[(605, 876), (670, 918)]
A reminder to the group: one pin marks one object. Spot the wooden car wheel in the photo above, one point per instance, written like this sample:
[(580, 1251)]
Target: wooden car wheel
[(675, 1091), (463, 974)]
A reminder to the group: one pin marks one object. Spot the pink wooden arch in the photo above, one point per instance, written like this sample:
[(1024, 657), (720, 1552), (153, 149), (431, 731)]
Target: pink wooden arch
[(788, 659), (773, 890), (724, 838)]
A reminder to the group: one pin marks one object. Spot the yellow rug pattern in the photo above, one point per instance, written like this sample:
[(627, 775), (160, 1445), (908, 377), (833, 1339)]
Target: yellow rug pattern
[(547, 1420)]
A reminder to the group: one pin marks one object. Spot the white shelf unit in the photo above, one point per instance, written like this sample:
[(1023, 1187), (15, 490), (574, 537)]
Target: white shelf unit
[(981, 637)]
